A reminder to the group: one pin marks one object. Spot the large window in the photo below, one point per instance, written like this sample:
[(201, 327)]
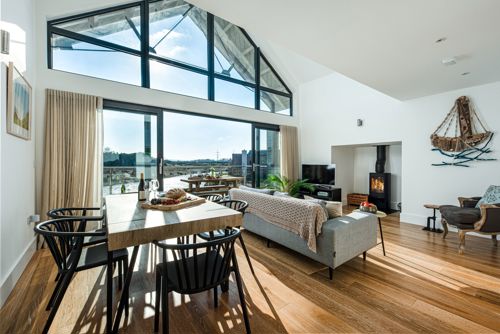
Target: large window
[(172, 146), (169, 45)]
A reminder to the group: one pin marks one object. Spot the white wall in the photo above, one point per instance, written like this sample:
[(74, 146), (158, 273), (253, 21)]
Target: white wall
[(17, 155), (50, 9), (329, 109)]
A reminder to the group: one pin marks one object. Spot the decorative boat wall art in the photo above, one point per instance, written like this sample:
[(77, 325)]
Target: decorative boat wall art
[(471, 138)]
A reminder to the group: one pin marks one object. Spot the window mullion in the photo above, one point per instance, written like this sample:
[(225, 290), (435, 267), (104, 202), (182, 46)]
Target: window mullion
[(145, 45), (210, 55), (257, 78)]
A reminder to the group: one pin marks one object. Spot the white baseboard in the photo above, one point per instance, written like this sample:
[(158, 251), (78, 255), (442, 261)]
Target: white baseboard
[(15, 271), (414, 219), (422, 221)]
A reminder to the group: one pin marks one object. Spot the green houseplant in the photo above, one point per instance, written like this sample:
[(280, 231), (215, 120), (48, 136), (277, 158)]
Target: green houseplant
[(284, 184)]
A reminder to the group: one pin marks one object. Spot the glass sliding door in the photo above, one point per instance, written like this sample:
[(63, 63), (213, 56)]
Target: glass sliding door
[(266, 154), (198, 145), (130, 148)]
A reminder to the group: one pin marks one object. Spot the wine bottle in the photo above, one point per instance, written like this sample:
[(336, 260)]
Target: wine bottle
[(141, 190), (123, 190)]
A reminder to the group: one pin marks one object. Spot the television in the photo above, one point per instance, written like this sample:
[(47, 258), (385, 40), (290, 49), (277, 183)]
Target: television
[(319, 174)]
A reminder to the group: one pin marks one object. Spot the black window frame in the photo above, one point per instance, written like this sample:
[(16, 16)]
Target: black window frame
[(146, 56)]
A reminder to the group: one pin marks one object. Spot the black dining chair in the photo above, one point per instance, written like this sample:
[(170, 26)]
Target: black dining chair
[(64, 238), (195, 268), (86, 215), (237, 205), (212, 197)]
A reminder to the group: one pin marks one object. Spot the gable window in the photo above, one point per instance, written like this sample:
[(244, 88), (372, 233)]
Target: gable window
[(169, 45)]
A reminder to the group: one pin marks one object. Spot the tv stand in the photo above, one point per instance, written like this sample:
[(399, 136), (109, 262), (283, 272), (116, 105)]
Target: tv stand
[(325, 192)]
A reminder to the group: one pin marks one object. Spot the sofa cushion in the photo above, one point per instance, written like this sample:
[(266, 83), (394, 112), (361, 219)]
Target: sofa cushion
[(256, 190), (463, 218), (334, 209), (491, 196)]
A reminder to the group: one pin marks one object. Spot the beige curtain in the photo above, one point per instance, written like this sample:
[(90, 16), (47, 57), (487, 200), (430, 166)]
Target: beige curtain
[(72, 170), (289, 152)]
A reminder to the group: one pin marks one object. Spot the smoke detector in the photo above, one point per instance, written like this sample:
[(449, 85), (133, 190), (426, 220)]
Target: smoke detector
[(449, 61)]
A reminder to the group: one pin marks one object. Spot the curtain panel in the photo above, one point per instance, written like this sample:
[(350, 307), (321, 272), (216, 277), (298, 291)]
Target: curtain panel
[(289, 152), (72, 169)]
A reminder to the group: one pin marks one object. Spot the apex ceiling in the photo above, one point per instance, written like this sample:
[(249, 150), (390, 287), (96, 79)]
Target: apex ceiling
[(389, 45)]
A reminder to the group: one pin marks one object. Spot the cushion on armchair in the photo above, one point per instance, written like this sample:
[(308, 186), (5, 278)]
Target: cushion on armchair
[(491, 196), (463, 218)]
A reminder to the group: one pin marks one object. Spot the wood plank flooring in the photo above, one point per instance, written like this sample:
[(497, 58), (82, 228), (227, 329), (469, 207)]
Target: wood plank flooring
[(422, 285)]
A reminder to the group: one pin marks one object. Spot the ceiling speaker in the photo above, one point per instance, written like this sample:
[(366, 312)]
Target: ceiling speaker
[(5, 41)]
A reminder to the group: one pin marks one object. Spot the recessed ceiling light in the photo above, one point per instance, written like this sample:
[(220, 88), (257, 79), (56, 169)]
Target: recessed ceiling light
[(465, 73), (441, 40), (449, 61)]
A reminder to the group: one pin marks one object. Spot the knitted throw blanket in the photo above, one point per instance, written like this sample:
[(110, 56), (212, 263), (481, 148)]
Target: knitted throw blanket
[(295, 215)]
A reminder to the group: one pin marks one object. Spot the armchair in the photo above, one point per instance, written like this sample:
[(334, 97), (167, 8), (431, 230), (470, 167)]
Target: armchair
[(468, 218)]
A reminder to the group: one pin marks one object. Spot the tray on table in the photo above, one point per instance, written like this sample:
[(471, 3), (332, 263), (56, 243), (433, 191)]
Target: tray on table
[(191, 201)]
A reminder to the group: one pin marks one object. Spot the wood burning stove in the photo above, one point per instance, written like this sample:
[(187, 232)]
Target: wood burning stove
[(380, 182)]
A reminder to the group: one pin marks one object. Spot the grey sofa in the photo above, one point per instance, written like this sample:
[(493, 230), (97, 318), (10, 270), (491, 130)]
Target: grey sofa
[(341, 239)]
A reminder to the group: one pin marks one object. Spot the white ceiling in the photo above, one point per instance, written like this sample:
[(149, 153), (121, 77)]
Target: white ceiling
[(388, 45)]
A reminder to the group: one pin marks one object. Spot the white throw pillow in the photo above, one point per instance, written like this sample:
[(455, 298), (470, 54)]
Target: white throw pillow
[(334, 209)]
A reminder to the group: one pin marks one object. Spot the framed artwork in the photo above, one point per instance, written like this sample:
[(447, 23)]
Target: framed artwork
[(19, 104)]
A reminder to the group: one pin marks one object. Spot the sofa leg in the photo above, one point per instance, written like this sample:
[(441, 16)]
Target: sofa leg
[(494, 239), (330, 273), (268, 243), (461, 247), (445, 228), (364, 256)]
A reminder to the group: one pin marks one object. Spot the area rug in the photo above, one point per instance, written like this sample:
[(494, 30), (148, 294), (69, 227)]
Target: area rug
[(258, 245)]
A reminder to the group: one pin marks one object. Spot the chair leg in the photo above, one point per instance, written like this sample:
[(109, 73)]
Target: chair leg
[(164, 305), (216, 298), (330, 273), (246, 253), (461, 247), (66, 279), (125, 272), (364, 256), (54, 293), (120, 275), (241, 294), (494, 239), (445, 228), (157, 301)]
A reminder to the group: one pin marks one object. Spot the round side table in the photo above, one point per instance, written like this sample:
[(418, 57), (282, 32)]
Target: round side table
[(380, 215)]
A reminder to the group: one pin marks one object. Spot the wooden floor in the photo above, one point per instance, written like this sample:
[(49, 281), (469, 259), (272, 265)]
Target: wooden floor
[(422, 285)]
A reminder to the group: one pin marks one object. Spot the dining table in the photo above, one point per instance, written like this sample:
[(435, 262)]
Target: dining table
[(226, 181), (129, 225)]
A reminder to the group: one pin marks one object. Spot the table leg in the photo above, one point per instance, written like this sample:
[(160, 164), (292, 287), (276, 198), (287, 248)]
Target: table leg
[(381, 235), (125, 294)]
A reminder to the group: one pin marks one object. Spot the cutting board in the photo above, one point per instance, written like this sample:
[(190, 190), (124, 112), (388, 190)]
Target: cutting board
[(192, 201)]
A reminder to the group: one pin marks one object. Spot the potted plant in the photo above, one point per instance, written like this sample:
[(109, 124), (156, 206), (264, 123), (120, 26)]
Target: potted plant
[(283, 184)]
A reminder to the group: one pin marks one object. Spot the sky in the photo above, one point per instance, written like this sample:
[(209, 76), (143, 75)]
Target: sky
[(185, 137)]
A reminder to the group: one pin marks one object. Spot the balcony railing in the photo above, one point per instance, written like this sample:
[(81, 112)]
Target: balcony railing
[(116, 176)]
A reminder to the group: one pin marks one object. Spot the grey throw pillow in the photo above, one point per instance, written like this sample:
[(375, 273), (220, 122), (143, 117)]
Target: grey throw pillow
[(318, 201), (491, 196), (262, 191)]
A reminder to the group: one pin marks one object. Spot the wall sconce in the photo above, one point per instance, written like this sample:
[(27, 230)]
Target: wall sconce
[(5, 42), (359, 122)]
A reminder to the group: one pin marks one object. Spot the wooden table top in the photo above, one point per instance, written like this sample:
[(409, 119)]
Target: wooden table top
[(380, 214), (130, 225)]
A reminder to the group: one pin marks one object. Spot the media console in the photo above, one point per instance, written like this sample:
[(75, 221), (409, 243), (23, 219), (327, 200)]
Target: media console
[(325, 192)]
